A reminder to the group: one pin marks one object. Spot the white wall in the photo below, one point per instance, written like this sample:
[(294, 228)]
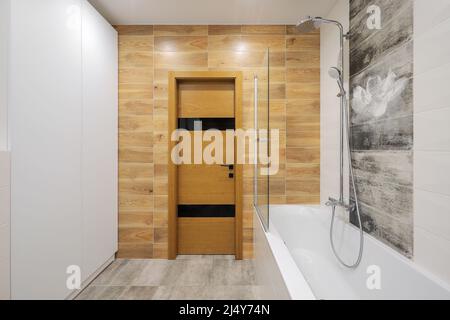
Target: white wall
[(4, 155), (330, 104), (432, 137), (63, 144)]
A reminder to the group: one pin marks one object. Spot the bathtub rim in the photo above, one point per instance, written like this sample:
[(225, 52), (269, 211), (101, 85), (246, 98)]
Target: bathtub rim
[(294, 281), (367, 237)]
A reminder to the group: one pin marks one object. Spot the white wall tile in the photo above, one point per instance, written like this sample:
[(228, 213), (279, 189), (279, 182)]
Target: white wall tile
[(329, 116), (432, 171), (430, 14), (432, 213), (432, 49), (431, 89), (432, 130), (432, 253), (432, 136)]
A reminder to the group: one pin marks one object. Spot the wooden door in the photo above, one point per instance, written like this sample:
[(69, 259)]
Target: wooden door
[(205, 200)]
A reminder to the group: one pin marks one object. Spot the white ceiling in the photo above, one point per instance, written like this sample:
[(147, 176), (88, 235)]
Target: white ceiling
[(210, 11)]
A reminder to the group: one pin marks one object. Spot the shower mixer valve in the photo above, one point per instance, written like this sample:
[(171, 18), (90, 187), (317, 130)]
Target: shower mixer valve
[(337, 203)]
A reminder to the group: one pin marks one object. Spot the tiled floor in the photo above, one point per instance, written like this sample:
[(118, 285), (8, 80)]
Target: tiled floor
[(188, 277)]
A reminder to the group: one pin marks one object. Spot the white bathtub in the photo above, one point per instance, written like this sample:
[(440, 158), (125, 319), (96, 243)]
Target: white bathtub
[(294, 261)]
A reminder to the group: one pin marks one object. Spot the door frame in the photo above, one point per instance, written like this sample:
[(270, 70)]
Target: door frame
[(174, 78)]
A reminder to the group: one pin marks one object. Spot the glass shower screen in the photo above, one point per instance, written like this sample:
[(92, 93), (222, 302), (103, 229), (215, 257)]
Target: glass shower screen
[(262, 149)]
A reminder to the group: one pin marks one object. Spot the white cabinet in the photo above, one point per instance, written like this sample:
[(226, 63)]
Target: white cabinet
[(63, 131), (5, 187), (100, 115)]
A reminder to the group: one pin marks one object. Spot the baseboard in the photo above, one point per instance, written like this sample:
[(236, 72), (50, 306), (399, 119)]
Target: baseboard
[(91, 278)]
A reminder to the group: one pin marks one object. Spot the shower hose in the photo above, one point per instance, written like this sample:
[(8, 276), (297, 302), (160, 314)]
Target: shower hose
[(361, 230)]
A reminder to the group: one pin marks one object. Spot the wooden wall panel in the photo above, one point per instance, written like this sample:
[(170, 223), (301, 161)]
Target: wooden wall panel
[(135, 142), (302, 117), (148, 53)]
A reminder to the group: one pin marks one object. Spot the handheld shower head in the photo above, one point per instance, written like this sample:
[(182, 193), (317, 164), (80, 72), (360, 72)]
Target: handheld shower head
[(335, 73)]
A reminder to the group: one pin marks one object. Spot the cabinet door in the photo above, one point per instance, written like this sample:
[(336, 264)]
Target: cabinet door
[(99, 166), (46, 129)]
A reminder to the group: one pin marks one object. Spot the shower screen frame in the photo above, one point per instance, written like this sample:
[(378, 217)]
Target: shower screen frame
[(261, 198)]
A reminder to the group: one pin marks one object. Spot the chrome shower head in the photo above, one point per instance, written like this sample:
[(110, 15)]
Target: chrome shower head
[(308, 24)]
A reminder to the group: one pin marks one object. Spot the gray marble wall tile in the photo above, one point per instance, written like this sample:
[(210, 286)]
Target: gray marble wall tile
[(390, 13), (382, 132), (367, 45), (371, 44), (394, 233), (392, 134), (385, 166), (385, 89)]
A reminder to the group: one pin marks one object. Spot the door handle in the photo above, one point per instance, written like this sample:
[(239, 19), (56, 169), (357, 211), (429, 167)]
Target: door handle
[(230, 167)]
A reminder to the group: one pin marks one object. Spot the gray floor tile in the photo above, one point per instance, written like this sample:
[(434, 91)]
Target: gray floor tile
[(194, 257), (111, 292), (90, 293), (199, 277), (128, 272), (224, 257), (230, 293), (196, 273), (108, 274), (153, 273), (180, 293), (231, 272), (101, 293), (138, 293)]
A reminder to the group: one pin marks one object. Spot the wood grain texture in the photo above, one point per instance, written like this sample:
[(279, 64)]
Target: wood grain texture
[(205, 184), (206, 99), (188, 183), (302, 117), (135, 141), (146, 56), (206, 236), (181, 43), (180, 30), (172, 245)]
